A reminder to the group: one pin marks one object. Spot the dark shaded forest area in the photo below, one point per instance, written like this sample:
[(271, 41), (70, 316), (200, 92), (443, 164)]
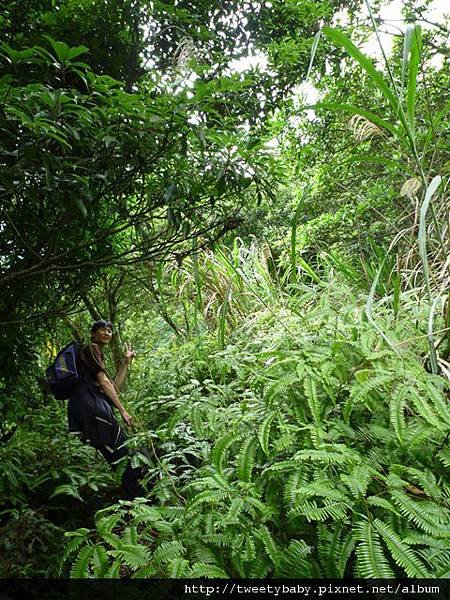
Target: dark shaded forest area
[(255, 194)]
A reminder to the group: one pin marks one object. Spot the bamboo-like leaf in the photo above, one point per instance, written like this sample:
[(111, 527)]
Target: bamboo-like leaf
[(339, 39), (313, 53), (406, 50), (416, 48)]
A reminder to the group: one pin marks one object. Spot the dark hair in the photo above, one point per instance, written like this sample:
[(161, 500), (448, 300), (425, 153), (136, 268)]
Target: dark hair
[(100, 324)]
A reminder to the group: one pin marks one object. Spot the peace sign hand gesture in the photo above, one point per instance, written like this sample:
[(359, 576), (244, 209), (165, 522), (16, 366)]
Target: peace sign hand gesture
[(129, 353)]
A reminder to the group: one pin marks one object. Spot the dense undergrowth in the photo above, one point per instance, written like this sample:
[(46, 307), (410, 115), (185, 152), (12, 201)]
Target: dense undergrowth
[(291, 396), (298, 444)]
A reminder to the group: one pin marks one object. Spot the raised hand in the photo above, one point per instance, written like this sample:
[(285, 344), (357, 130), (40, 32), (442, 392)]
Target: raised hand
[(129, 353)]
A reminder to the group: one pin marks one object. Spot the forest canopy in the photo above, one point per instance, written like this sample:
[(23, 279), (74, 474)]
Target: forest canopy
[(255, 194)]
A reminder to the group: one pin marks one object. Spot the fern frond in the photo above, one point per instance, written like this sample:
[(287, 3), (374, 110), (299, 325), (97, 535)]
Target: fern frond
[(402, 554), (417, 512), (271, 547), (178, 568), (280, 387), (321, 489), (437, 397), (146, 572), (134, 556), (382, 503), (73, 545), (113, 571), (206, 497), (327, 457), (420, 539), (203, 554), (220, 448), (167, 551), (237, 506), (361, 392), (80, 568), (371, 561), (310, 388), (444, 457), (246, 459), (313, 512), (100, 562), (344, 553), (105, 526), (296, 561), (208, 571), (264, 432), (129, 535), (291, 487), (425, 410), (358, 479), (397, 406)]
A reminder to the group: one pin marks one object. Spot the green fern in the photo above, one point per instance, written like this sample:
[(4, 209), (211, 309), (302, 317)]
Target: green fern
[(296, 561), (397, 411), (168, 551), (80, 567), (358, 479), (100, 562), (371, 560), (418, 513), (310, 388), (270, 546), (246, 459), (208, 571), (402, 554), (280, 387), (425, 410), (178, 567), (219, 451), (264, 432), (134, 555), (313, 512)]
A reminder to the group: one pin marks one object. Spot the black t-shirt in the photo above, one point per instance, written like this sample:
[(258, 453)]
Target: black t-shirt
[(91, 361)]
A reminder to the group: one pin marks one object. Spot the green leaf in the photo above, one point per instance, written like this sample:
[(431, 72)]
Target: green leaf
[(403, 555), (339, 39), (264, 432), (76, 51), (80, 568), (68, 490), (371, 560), (246, 459), (416, 49)]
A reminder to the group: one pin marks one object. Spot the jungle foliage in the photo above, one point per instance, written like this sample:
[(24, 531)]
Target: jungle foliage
[(283, 276)]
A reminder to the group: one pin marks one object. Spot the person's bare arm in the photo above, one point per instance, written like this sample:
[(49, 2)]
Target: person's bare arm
[(122, 372), (108, 388)]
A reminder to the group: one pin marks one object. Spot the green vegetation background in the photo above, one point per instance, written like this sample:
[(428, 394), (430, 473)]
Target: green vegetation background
[(282, 275)]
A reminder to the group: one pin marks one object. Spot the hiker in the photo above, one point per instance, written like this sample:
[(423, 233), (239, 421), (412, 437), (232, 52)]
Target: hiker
[(90, 408)]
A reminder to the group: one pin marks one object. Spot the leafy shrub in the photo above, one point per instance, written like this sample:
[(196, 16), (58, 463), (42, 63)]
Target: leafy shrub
[(305, 447)]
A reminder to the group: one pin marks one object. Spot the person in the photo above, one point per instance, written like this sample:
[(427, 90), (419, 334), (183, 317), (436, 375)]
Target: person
[(91, 406)]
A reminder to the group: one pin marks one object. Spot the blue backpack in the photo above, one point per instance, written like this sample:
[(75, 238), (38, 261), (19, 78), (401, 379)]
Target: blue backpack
[(63, 374)]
